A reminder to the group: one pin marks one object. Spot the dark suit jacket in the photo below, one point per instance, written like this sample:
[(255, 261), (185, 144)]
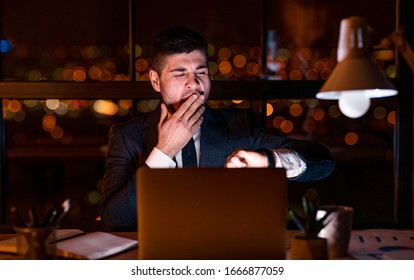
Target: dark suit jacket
[(222, 132)]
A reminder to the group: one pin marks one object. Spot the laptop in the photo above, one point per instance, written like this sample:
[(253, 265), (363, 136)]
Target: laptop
[(212, 213)]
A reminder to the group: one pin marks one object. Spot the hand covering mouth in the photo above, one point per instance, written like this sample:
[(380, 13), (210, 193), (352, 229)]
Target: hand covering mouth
[(190, 94), (198, 92)]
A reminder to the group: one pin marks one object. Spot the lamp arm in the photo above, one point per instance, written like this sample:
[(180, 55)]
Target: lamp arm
[(398, 40)]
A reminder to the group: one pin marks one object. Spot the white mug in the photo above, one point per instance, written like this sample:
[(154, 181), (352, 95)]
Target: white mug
[(338, 229)]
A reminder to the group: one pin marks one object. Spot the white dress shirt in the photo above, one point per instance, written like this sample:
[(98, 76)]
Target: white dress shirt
[(284, 158)]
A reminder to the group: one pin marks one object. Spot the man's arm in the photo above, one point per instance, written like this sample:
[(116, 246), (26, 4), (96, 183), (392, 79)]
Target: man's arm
[(296, 168), (303, 160), (118, 199), (318, 160)]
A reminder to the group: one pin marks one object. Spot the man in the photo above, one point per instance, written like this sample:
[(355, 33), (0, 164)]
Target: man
[(222, 138)]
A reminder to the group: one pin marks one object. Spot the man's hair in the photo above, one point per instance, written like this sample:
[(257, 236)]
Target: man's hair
[(176, 40)]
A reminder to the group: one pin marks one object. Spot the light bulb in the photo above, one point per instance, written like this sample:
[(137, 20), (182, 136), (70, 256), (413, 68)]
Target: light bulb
[(354, 104)]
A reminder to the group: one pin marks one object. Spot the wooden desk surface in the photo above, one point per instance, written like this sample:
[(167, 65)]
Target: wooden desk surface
[(6, 256), (131, 254)]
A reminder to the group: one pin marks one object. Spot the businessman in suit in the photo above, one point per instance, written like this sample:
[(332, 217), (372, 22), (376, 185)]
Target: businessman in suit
[(220, 137)]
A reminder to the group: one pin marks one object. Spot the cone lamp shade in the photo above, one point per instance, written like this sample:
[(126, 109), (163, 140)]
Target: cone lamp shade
[(355, 79)]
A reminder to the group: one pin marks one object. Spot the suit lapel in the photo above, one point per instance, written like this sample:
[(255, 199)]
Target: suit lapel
[(150, 129), (215, 146)]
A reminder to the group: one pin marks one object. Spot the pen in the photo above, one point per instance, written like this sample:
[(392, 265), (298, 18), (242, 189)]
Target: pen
[(49, 217), (17, 218), (64, 208), (34, 217)]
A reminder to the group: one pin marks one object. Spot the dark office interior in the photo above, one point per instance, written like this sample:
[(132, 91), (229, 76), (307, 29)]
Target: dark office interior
[(71, 69)]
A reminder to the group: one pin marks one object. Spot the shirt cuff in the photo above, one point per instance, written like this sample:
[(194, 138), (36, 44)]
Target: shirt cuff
[(290, 161), (158, 159)]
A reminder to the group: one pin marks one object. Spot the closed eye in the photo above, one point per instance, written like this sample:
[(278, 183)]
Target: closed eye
[(202, 70)]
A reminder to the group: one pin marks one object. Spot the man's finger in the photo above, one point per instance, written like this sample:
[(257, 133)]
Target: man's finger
[(236, 162), (195, 118), (196, 125), (187, 106)]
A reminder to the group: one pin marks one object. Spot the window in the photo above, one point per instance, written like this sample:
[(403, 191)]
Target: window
[(56, 146)]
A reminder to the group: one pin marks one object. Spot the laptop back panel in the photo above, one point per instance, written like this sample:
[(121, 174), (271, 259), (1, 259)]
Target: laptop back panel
[(211, 213)]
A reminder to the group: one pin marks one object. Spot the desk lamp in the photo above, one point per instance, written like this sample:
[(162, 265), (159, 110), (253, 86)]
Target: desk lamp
[(355, 79)]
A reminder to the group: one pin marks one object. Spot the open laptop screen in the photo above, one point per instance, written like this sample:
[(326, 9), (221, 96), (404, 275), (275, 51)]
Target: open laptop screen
[(212, 213)]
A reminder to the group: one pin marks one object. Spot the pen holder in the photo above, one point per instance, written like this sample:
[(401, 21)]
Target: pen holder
[(302, 248), (338, 230), (36, 243)]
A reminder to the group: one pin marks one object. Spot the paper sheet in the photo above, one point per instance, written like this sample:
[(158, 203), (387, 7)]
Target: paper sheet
[(93, 246), (382, 244)]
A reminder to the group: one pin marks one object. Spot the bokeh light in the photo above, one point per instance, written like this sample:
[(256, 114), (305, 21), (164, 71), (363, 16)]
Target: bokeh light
[(52, 104), (277, 121), (295, 110), (269, 109), (295, 75), (211, 50), (286, 126), (141, 65), (351, 138), (309, 125), (391, 118), (253, 68), (225, 67), (49, 122), (5, 46), (334, 111), (379, 112), (79, 74), (318, 114), (14, 106), (56, 133), (239, 61), (105, 107), (224, 53)]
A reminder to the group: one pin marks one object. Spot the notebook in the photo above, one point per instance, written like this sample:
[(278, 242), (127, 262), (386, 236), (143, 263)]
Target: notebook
[(212, 213)]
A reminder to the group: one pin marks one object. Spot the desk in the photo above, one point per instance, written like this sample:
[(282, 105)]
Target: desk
[(131, 254)]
